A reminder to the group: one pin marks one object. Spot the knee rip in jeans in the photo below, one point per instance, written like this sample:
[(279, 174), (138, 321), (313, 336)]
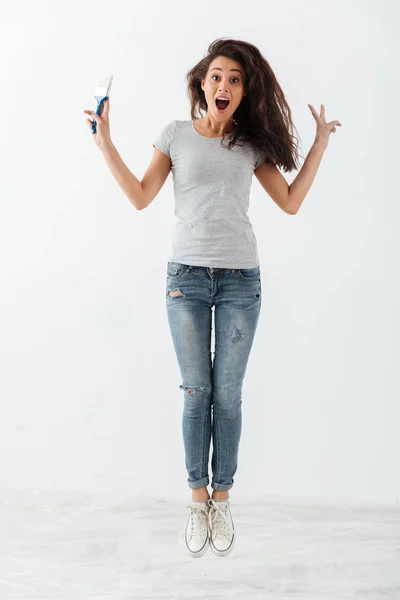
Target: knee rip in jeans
[(191, 389)]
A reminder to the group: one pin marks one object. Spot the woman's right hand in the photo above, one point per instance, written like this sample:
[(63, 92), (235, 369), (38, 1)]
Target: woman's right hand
[(102, 135)]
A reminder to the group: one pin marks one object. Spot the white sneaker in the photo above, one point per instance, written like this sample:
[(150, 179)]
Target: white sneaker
[(196, 534), (222, 532)]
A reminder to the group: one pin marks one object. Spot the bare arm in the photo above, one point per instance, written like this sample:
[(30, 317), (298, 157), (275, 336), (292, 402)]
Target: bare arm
[(290, 197), (127, 181), (139, 193), (274, 183), (299, 187)]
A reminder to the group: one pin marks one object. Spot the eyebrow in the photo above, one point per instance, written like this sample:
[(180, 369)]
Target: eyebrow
[(218, 69)]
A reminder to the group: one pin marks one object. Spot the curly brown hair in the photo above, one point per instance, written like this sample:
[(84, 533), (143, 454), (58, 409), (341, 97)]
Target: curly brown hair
[(263, 117)]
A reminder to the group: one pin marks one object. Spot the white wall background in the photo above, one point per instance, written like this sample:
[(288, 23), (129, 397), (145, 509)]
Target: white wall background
[(89, 385)]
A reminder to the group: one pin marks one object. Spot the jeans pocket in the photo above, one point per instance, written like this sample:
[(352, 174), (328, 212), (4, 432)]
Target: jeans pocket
[(251, 274), (176, 270)]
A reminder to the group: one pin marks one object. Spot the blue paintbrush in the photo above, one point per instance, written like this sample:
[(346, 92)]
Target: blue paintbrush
[(102, 93)]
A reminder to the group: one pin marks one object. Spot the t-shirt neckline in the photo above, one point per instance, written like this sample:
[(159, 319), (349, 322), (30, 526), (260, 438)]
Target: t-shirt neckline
[(205, 136)]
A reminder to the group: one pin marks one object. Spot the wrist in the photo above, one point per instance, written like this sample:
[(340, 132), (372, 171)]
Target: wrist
[(106, 146), (320, 143)]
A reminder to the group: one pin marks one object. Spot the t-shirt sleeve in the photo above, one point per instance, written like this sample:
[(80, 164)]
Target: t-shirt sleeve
[(261, 157), (165, 138)]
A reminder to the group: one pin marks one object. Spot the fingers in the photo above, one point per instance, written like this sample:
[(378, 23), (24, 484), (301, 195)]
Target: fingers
[(314, 112), (105, 109), (94, 115), (320, 116)]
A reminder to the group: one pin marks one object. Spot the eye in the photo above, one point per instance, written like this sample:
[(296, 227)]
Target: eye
[(212, 77)]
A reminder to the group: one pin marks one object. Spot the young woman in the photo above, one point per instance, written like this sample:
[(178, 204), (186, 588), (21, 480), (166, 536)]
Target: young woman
[(246, 130)]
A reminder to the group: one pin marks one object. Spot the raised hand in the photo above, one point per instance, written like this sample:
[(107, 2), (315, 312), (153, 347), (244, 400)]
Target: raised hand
[(102, 135), (324, 129)]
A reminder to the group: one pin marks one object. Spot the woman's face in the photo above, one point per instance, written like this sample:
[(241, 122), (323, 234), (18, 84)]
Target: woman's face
[(225, 77)]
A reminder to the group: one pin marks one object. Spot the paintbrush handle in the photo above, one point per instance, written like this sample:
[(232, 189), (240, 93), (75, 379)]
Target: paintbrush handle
[(100, 102)]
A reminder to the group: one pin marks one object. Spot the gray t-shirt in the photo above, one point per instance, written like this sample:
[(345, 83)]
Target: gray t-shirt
[(211, 189)]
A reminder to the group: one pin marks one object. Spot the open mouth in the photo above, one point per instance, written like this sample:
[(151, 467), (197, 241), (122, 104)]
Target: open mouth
[(222, 105)]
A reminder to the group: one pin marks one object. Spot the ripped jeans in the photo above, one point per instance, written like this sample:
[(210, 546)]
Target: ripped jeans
[(212, 390)]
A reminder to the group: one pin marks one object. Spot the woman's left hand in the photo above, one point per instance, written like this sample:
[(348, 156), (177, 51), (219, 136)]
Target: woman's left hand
[(324, 129)]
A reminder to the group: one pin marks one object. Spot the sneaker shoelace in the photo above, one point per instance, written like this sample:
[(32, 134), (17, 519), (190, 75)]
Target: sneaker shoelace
[(219, 519), (197, 520)]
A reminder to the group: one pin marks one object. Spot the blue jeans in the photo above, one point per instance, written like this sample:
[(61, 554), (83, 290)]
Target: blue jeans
[(212, 387)]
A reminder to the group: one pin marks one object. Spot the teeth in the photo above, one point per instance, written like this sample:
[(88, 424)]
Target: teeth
[(222, 98)]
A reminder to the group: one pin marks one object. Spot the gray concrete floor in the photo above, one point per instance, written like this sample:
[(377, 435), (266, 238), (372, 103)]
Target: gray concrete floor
[(77, 547)]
